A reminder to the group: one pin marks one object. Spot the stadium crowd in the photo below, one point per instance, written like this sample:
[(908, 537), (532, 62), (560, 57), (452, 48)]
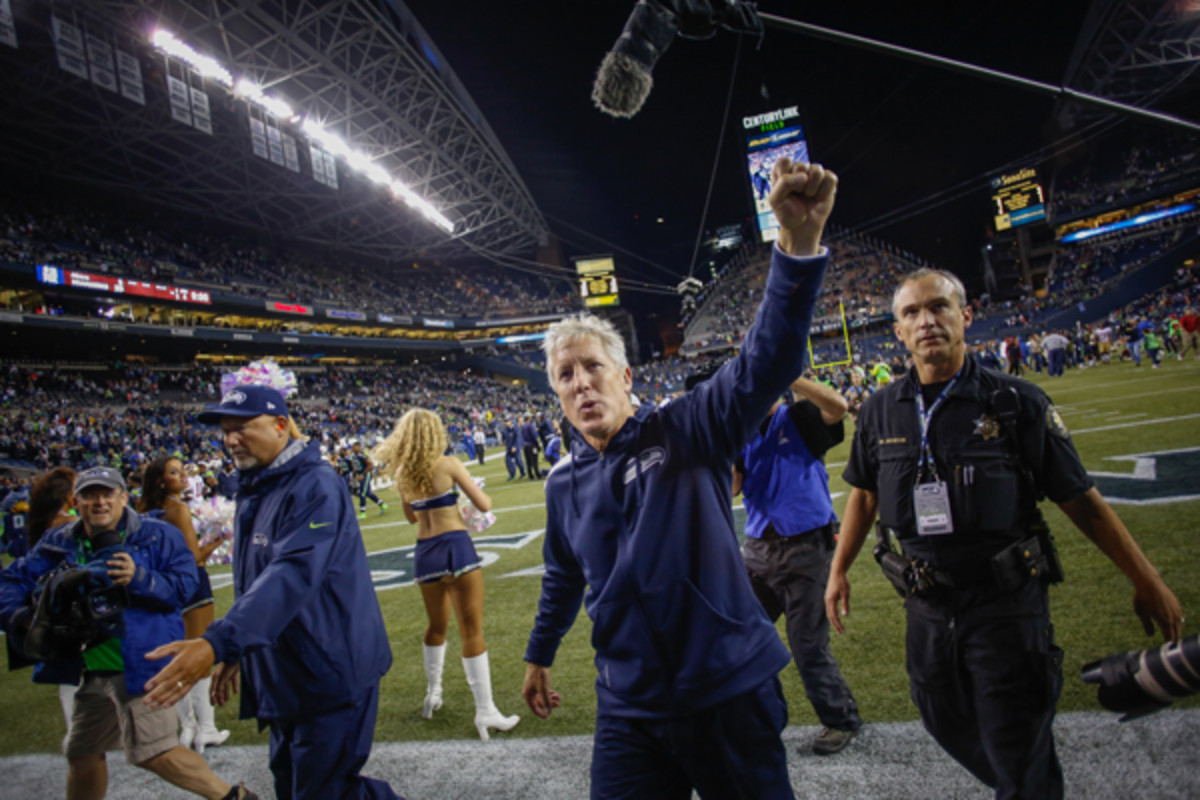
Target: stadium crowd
[(162, 248)]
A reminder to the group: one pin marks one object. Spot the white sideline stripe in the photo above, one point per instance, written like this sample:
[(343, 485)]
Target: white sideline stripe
[(518, 508), (1136, 396), (1139, 379), (1158, 501), (1135, 424)]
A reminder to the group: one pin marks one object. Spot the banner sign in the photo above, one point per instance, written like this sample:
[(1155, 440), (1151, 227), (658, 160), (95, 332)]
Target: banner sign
[(68, 45), (201, 117), (129, 70), (100, 60), (181, 101)]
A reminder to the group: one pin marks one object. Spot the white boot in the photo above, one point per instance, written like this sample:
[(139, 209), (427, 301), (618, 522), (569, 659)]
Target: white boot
[(187, 721), (435, 659), (207, 734), (479, 678)]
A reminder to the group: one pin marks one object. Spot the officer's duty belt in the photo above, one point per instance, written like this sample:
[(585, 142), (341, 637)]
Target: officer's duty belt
[(1008, 570)]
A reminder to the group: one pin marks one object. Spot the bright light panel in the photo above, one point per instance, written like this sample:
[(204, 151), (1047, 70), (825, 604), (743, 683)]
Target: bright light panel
[(253, 93)]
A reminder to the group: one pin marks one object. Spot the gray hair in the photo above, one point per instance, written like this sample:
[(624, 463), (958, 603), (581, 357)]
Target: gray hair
[(924, 272), (580, 326)]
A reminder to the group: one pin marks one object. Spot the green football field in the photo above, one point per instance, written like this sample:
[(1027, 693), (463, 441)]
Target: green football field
[(1138, 430)]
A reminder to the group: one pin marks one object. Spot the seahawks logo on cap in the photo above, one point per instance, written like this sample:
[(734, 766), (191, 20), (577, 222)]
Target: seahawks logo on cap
[(234, 398)]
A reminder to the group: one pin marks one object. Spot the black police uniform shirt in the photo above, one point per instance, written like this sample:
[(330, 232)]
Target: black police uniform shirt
[(994, 478)]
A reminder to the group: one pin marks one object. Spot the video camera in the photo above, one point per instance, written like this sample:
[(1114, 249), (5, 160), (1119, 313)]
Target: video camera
[(1141, 682), (75, 607)]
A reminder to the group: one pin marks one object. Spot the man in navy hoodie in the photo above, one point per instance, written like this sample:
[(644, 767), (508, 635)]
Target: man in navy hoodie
[(640, 515), (305, 632)]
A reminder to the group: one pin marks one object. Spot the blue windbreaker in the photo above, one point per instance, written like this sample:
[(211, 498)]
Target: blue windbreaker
[(306, 623), (647, 527), (164, 580)]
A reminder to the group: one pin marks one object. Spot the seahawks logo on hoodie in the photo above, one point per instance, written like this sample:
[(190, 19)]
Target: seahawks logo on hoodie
[(653, 457)]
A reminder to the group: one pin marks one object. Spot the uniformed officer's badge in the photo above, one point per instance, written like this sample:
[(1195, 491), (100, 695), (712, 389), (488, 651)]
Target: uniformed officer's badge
[(1055, 424), (987, 427)]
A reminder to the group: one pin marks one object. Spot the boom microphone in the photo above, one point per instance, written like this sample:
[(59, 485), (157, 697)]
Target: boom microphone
[(623, 81)]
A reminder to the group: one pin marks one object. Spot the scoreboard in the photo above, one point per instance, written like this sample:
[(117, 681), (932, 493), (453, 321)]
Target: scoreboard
[(1017, 199), (597, 281), (111, 284)]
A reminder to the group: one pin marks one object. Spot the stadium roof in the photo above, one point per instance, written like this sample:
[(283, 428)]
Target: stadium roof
[(1142, 52), (364, 70)]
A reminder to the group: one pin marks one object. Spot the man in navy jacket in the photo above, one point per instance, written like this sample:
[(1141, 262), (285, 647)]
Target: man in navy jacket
[(640, 515), (305, 632), (158, 571)]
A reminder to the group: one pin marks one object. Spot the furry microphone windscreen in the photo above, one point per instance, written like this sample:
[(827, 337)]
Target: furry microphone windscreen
[(622, 85)]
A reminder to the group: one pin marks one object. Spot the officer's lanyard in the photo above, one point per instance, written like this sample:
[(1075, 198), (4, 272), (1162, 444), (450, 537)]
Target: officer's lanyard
[(927, 464)]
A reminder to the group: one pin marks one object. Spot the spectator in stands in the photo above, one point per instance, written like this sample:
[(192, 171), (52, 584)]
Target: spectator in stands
[(163, 485), (446, 566)]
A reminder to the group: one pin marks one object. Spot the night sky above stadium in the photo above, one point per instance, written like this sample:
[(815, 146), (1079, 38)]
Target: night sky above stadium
[(897, 132)]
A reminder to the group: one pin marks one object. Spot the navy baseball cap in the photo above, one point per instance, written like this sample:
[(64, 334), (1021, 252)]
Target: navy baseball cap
[(99, 476), (245, 400)]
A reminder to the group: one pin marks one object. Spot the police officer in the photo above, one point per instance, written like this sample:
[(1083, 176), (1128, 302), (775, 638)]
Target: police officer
[(790, 529), (953, 458)]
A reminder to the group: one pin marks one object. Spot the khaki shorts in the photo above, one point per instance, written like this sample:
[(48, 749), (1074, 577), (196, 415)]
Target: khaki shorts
[(105, 717)]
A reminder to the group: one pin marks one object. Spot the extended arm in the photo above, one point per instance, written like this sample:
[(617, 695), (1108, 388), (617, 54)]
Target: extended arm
[(477, 496), (832, 405), (1153, 602), (856, 524)]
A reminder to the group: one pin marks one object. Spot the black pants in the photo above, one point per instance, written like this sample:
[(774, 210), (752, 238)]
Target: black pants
[(789, 577), (986, 678), (531, 461)]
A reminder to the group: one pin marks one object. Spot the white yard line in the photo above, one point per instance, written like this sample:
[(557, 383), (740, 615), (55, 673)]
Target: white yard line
[(1135, 424)]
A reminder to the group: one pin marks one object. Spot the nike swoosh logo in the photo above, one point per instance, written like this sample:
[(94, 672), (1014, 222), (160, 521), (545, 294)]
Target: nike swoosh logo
[(315, 525)]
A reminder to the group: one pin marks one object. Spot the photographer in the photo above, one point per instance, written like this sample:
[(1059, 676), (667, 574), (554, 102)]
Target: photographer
[(150, 560)]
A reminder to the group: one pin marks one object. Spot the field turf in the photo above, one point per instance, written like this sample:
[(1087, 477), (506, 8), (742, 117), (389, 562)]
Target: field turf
[(1112, 411)]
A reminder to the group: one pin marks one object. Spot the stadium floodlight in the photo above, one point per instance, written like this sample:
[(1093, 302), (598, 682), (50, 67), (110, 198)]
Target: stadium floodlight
[(254, 93), (331, 142), (206, 66), (413, 200)]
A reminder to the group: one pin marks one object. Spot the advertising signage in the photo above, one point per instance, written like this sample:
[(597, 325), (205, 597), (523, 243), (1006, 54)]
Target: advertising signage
[(769, 137), (111, 284)]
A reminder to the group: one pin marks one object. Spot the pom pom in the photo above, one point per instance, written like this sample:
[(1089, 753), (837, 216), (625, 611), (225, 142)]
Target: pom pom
[(215, 517), (261, 373)]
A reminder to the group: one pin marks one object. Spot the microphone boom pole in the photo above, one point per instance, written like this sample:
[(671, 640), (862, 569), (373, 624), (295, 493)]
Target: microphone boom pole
[(1061, 92)]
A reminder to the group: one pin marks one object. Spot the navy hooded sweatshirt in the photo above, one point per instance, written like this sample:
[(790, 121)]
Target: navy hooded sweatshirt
[(306, 624), (647, 527)]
